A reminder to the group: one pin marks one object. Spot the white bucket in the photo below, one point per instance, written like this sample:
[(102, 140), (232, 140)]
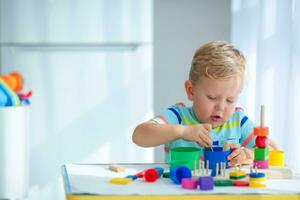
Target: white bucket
[(14, 127)]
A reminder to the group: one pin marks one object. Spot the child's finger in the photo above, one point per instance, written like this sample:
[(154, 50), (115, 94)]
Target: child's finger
[(207, 126), (233, 154), (271, 144), (234, 146), (201, 142), (206, 140)]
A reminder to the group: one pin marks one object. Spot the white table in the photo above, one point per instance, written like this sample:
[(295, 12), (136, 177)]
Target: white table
[(91, 181)]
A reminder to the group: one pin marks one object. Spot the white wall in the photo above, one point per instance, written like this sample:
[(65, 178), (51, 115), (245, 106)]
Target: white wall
[(89, 65), (180, 27)]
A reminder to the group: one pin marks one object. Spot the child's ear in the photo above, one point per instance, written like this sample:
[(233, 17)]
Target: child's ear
[(189, 89)]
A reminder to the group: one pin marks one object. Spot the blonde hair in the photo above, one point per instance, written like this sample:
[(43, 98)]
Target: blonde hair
[(217, 60)]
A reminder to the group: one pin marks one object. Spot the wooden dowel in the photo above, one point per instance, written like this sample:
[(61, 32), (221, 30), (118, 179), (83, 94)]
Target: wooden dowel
[(262, 116)]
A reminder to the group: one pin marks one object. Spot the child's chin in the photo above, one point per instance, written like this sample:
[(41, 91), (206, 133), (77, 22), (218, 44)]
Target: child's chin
[(216, 124)]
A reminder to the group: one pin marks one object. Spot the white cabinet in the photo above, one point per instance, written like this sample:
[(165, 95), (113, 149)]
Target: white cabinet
[(81, 21)]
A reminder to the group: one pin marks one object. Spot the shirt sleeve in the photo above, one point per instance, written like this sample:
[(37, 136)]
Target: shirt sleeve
[(169, 116), (247, 136)]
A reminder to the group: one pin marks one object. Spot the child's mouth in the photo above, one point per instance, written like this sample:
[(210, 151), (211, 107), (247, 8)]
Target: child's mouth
[(216, 118)]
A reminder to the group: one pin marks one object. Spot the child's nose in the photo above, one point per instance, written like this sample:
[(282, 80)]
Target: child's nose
[(220, 105)]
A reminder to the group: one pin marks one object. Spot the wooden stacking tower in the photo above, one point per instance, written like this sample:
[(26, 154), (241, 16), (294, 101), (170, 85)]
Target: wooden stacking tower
[(261, 152)]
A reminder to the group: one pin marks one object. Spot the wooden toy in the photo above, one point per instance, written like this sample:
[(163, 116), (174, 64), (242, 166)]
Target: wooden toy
[(260, 141), (121, 181), (276, 158), (189, 183), (151, 175), (261, 153), (257, 179), (133, 177), (216, 156), (227, 182), (237, 174), (178, 173), (116, 168), (261, 164), (279, 173), (206, 183), (241, 183)]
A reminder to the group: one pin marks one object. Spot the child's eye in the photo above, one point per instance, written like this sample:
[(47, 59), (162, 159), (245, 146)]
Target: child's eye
[(211, 97), (230, 101)]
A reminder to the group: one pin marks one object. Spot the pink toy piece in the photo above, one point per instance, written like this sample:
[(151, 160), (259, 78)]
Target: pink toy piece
[(189, 183), (261, 164)]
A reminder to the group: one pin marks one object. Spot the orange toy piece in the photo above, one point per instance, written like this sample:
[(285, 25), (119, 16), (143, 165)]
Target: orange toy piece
[(14, 80), (261, 131)]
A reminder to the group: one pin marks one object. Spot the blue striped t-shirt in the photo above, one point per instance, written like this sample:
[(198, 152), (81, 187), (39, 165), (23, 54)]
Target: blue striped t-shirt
[(238, 129)]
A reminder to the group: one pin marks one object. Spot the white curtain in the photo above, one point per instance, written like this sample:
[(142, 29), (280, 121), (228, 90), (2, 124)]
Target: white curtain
[(268, 33)]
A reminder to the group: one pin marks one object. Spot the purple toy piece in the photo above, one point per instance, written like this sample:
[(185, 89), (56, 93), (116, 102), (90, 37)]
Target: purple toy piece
[(206, 183)]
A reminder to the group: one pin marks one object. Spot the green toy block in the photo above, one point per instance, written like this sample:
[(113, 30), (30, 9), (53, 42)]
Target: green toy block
[(261, 154), (224, 183)]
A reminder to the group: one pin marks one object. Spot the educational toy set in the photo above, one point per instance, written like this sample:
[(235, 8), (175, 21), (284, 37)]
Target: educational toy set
[(188, 169)]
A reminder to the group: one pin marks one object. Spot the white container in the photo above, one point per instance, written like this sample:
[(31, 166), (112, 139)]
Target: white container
[(14, 127)]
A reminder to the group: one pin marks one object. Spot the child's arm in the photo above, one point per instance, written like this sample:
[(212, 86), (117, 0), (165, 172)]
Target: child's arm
[(151, 134)]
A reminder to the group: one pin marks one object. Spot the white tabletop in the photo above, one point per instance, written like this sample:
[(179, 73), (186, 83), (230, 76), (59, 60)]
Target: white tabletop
[(94, 180)]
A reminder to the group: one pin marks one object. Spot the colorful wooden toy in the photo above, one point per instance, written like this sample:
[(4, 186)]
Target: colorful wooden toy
[(206, 183), (277, 158), (260, 141), (178, 173), (223, 182), (261, 164), (116, 168), (237, 174), (261, 153), (121, 181), (241, 183), (216, 156), (257, 179), (151, 175), (189, 183)]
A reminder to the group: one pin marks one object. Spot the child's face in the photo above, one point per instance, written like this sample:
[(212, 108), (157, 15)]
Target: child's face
[(214, 101)]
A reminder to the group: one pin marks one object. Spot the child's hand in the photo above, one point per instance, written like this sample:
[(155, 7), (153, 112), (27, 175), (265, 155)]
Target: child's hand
[(238, 156), (199, 133), (271, 144)]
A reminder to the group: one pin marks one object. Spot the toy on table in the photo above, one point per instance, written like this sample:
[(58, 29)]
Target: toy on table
[(261, 152), (150, 175), (116, 168), (179, 173), (221, 179), (205, 180), (237, 173), (257, 179), (216, 156), (185, 156)]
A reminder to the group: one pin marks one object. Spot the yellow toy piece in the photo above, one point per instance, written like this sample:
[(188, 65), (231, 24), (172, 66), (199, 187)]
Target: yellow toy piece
[(257, 179), (257, 184), (276, 158), (121, 181), (238, 173)]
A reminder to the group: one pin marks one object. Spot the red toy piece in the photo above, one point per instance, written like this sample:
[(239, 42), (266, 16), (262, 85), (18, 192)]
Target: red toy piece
[(151, 175), (261, 141)]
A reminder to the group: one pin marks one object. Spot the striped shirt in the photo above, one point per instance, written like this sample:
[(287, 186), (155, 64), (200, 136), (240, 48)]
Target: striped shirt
[(238, 129)]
